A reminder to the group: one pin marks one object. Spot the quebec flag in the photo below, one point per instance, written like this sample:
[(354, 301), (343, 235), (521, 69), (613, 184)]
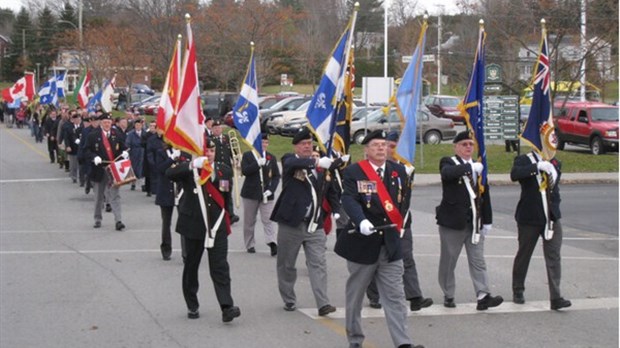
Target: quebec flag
[(92, 103), (60, 85), (245, 111), (320, 113), (48, 93)]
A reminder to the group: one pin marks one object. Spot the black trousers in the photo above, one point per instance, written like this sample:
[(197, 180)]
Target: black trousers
[(52, 148), (219, 270), (528, 237), (166, 222)]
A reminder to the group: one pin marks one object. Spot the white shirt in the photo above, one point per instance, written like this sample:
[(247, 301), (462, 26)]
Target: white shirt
[(374, 167)]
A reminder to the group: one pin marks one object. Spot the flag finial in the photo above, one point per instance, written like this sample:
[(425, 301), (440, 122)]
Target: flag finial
[(543, 22), (252, 43), (179, 37), (481, 22), (425, 17), (188, 17), (357, 5)]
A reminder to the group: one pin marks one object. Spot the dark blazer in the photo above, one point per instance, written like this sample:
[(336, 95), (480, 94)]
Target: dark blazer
[(190, 223), (357, 247), (454, 211), (94, 147), (530, 209), (165, 187), (291, 207), (252, 188), (223, 152), (70, 135)]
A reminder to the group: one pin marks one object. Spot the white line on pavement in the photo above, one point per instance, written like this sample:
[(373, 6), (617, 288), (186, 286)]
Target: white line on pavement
[(470, 308), (18, 181)]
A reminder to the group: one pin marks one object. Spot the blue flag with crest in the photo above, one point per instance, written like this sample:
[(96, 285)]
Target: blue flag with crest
[(48, 92)]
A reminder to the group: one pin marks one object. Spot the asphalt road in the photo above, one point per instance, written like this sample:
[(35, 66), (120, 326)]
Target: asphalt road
[(64, 284)]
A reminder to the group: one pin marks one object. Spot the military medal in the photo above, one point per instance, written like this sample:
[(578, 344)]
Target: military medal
[(388, 206), (367, 188), (224, 185), (399, 198)]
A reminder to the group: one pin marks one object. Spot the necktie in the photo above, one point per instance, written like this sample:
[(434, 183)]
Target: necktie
[(380, 172), (107, 135)]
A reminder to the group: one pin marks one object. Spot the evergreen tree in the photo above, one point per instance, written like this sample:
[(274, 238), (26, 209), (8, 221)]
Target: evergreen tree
[(369, 17), (45, 50), (22, 39), (67, 15)]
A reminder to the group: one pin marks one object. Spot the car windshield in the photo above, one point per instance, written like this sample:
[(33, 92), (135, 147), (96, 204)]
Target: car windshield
[(304, 106), (267, 103), (280, 104), (451, 102), (604, 114)]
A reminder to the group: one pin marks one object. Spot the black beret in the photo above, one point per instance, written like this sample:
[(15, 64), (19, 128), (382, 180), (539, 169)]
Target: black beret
[(137, 120), (86, 119), (464, 135), (303, 134), (217, 123), (209, 118), (265, 136), (105, 116), (75, 116), (392, 136), (210, 144), (376, 134)]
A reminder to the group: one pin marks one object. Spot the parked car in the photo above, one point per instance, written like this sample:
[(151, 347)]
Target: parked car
[(280, 119), (444, 106), (149, 106), (264, 102), (141, 88), (430, 128), (592, 124), (217, 104), (290, 103), (140, 105)]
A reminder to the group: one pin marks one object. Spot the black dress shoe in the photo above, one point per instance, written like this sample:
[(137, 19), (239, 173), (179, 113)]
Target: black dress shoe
[(274, 248), (108, 208), (133, 187), (374, 304), (193, 314), (234, 218), (325, 310), (230, 313), (418, 303), (143, 188), (560, 303), (120, 226), (289, 307), (97, 224), (251, 250), (448, 302), (518, 298), (488, 302)]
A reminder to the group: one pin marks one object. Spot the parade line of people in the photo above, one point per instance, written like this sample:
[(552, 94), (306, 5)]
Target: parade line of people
[(367, 203)]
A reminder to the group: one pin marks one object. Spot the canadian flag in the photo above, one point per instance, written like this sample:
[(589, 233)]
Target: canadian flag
[(188, 120), (23, 88), (169, 95), (83, 90)]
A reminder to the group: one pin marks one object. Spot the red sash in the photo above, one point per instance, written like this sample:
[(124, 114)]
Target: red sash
[(219, 200), (391, 210), (107, 146)]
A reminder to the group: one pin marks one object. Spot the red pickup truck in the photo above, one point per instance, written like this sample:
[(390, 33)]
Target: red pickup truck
[(592, 124)]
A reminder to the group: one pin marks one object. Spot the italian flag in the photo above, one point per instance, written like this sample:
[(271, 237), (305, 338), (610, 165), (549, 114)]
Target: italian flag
[(83, 89)]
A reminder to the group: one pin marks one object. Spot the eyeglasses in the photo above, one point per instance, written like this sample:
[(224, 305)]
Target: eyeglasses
[(467, 144)]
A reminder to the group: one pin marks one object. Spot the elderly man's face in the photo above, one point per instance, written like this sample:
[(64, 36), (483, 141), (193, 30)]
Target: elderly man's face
[(304, 148), (376, 151)]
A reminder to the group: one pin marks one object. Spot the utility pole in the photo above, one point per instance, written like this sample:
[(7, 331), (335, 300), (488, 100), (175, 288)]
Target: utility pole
[(24, 43), (439, 53), (80, 28), (385, 40), (584, 50)]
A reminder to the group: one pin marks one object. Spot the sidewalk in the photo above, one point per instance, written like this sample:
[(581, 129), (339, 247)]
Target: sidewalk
[(504, 179)]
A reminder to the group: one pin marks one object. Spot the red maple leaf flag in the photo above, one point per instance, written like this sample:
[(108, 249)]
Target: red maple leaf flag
[(23, 88), (168, 99), (188, 119)]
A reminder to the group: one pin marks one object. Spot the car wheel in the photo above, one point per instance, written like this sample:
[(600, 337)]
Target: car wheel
[(359, 137), (432, 137), (596, 146)]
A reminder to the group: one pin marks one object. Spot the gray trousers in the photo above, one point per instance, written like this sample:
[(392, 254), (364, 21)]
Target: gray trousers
[(410, 276), (73, 167), (528, 237), (452, 242), (389, 279), (104, 192), (290, 240), (250, 209)]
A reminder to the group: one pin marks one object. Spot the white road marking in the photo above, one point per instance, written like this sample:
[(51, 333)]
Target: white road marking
[(470, 308), (19, 181)]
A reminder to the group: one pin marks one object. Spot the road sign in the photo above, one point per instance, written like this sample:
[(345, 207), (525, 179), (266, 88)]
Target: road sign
[(427, 58), (501, 117)]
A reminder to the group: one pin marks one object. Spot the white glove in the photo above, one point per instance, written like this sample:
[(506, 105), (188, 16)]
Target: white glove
[(174, 153), (366, 227), (554, 174), (199, 162), (77, 141), (262, 161), (97, 160), (545, 166), (267, 193), (336, 216), (486, 229), (477, 167), (409, 170), (325, 162), (345, 158), (125, 155)]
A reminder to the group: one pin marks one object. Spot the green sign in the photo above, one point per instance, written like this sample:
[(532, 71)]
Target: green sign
[(493, 73)]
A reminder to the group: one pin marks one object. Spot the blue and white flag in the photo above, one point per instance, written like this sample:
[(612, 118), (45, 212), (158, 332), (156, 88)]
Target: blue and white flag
[(60, 85), (16, 104), (92, 103), (472, 106), (48, 93), (408, 101), (320, 114), (245, 111)]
